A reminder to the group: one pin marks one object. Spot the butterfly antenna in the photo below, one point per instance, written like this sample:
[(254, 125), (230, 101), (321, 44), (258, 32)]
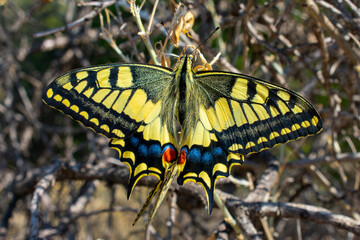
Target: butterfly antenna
[(202, 43), (167, 31)]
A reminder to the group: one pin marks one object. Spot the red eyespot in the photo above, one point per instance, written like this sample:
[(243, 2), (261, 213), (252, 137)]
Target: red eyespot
[(182, 157), (169, 154)]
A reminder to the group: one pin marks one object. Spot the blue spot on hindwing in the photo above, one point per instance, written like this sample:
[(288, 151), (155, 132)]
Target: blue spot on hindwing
[(207, 157), (134, 141), (143, 150), (217, 151), (155, 150), (195, 155)]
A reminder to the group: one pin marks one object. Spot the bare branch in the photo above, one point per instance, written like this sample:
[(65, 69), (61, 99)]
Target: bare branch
[(77, 22), (40, 188)]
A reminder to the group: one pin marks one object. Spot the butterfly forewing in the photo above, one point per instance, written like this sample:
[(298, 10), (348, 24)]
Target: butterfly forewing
[(260, 115)]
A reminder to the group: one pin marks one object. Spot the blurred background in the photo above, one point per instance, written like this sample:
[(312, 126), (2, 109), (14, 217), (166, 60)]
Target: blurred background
[(59, 180)]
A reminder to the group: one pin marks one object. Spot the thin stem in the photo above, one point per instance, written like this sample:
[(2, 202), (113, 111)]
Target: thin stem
[(144, 35)]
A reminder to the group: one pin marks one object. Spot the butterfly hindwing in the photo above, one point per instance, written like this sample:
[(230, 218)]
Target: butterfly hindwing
[(146, 153), (204, 164), (125, 103)]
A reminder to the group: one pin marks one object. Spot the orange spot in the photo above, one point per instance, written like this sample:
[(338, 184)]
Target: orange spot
[(169, 154), (182, 158)]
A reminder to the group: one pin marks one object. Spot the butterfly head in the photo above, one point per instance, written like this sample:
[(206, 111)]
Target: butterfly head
[(189, 54), (185, 64)]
